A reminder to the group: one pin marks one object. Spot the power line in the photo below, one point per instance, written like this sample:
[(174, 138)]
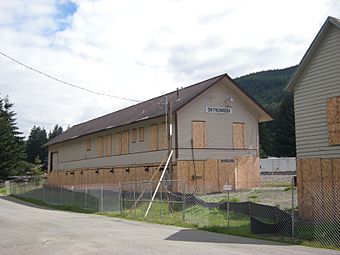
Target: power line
[(67, 83)]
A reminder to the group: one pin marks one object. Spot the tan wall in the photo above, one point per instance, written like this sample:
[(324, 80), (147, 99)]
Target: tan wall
[(219, 127), (318, 187), (211, 175)]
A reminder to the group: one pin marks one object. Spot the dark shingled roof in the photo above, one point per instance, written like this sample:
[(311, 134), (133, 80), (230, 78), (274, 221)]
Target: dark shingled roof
[(141, 111)]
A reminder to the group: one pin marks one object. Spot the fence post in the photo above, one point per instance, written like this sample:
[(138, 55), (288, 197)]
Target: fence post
[(292, 206), (183, 201), (228, 210), (85, 197), (61, 193), (102, 197), (43, 193)]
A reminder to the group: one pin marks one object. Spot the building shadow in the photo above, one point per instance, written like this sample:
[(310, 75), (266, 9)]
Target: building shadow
[(193, 235)]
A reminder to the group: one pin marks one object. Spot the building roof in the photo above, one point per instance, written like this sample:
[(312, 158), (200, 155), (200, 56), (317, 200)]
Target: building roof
[(330, 21), (147, 110)]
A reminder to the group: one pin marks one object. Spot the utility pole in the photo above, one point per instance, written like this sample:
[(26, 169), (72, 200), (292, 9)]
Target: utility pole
[(170, 138)]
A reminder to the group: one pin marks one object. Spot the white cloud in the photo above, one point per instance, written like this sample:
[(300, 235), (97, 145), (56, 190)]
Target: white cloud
[(140, 49)]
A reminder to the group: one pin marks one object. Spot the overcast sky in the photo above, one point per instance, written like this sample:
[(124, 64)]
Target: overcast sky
[(141, 49)]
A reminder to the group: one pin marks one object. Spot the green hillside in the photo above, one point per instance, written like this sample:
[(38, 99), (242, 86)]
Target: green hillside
[(277, 138), (267, 87)]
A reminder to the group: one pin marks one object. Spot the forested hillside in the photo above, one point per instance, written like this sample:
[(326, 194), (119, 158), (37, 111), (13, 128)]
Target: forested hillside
[(277, 138), (267, 87)]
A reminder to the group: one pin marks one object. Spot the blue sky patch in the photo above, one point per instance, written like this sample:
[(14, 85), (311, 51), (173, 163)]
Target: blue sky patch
[(65, 9)]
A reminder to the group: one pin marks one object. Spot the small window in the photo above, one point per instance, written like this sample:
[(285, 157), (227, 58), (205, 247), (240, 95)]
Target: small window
[(141, 134), (88, 144), (133, 135), (333, 117)]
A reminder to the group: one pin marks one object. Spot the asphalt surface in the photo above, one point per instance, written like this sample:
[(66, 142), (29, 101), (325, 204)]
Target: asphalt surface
[(27, 229)]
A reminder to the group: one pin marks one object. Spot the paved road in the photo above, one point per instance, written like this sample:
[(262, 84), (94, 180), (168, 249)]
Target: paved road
[(32, 230)]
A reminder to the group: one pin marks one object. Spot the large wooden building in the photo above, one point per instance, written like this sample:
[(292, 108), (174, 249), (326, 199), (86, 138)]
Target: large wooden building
[(316, 88), (215, 140)]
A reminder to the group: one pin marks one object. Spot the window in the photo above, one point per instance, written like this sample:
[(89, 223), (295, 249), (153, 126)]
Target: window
[(125, 142), (133, 135), (118, 144), (108, 145), (154, 137), (88, 144), (333, 117), (199, 134), (100, 146), (239, 136), (141, 134)]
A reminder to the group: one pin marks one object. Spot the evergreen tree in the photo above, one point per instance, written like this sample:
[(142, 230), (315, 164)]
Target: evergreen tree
[(57, 130), (36, 140), (284, 136), (12, 147)]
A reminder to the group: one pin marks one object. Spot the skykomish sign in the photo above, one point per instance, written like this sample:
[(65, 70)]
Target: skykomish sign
[(217, 109)]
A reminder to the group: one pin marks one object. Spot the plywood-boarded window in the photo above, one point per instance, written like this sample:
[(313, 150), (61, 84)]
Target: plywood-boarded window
[(88, 144), (141, 134), (125, 142), (239, 141), (118, 144), (134, 135), (199, 134), (154, 137), (108, 145), (163, 137), (100, 146), (333, 116)]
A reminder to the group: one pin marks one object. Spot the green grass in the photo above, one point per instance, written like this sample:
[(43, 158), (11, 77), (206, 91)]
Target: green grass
[(3, 191), (57, 207)]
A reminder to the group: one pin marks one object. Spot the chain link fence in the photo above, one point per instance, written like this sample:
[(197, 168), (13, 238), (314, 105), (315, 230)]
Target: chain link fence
[(268, 211), (90, 197)]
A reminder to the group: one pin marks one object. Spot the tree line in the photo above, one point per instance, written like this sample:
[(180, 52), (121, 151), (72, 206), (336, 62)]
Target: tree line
[(17, 155)]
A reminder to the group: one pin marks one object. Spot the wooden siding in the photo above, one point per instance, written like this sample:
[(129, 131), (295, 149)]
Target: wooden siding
[(319, 81)]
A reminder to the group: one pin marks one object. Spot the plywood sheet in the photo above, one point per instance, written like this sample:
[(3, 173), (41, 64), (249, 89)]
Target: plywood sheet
[(100, 146), (239, 135), (134, 135), (108, 145), (154, 137), (117, 144), (333, 117), (199, 134), (125, 142), (141, 134)]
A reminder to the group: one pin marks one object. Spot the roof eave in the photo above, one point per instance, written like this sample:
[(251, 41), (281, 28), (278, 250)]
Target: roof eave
[(306, 57)]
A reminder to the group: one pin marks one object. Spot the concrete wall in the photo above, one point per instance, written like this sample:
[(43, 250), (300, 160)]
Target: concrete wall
[(219, 126), (319, 81), (277, 165)]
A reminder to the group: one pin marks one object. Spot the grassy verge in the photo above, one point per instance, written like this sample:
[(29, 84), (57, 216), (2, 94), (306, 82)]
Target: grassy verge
[(3, 191), (57, 207)]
